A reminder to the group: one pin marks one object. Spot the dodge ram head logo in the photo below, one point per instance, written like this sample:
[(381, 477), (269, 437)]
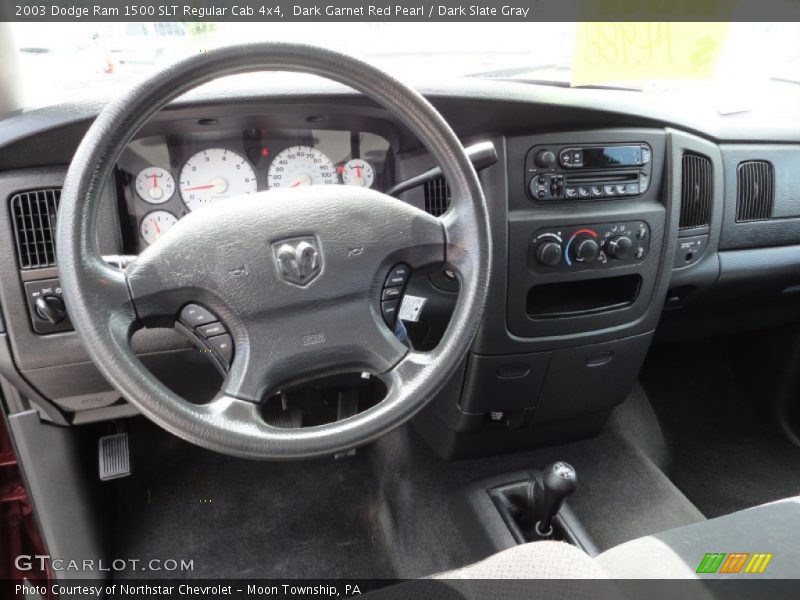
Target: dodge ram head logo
[(299, 260)]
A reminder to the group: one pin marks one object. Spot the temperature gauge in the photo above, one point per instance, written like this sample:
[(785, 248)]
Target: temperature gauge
[(155, 185), (358, 172), (155, 224)]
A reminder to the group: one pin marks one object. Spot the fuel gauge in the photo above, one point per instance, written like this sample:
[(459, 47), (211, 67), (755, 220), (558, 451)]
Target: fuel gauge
[(155, 224), (155, 185), (358, 172)]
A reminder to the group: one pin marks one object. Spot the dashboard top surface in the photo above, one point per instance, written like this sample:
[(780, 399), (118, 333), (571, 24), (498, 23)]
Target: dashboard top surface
[(463, 103)]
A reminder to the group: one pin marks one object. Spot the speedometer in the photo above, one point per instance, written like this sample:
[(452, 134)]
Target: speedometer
[(300, 165), (215, 174)]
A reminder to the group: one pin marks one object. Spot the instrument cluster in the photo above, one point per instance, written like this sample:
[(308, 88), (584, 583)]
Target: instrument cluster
[(164, 178)]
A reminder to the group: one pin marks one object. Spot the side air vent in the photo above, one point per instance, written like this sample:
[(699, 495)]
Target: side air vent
[(755, 191), (34, 216), (697, 189), (437, 196)]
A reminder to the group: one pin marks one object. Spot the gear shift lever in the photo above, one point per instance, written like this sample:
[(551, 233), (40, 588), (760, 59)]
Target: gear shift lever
[(558, 481)]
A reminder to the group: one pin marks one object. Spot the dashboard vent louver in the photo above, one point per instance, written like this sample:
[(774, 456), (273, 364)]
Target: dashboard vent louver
[(437, 196), (755, 191), (34, 216), (697, 189)]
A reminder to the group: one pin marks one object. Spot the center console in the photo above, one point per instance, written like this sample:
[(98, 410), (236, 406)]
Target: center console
[(584, 228)]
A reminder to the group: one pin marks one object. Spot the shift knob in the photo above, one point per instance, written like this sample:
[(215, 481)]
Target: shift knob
[(558, 482)]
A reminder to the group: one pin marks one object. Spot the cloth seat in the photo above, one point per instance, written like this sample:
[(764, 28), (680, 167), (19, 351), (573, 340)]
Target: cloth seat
[(770, 530)]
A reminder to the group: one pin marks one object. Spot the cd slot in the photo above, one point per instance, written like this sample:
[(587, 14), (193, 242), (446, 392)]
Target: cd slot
[(588, 178)]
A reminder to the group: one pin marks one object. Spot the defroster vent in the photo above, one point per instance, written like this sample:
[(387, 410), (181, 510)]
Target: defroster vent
[(697, 190), (437, 196), (34, 216), (755, 191)]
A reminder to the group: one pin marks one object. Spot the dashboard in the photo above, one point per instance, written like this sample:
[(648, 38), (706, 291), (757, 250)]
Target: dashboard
[(615, 219), (164, 177)]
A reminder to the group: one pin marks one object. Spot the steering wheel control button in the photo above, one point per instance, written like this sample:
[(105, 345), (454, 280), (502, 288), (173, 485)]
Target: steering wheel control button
[(223, 346), (389, 312), (211, 330), (195, 315), (391, 293), (207, 333), (398, 276)]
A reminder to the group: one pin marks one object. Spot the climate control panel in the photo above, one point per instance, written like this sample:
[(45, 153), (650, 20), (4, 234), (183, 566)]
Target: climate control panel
[(595, 246)]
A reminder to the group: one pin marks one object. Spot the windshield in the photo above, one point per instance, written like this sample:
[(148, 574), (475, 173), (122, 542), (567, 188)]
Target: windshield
[(733, 61)]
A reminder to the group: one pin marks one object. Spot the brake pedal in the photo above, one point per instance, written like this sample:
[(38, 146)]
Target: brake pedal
[(115, 456)]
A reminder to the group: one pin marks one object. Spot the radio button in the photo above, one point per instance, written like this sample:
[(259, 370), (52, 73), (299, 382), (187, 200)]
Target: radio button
[(577, 158), (584, 191), (609, 190), (632, 189), (571, 192), (644, 182), (565, 158), (621, 189), (645, 155), (597, 191)]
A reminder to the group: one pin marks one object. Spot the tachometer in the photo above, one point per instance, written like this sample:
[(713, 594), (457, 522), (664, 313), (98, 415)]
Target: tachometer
[(155, 224), (215, 174), (300, 165)]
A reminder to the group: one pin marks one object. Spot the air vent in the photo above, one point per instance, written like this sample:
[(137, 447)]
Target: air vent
[(697, 189), (755, 191), (437, 196), (34, 215)]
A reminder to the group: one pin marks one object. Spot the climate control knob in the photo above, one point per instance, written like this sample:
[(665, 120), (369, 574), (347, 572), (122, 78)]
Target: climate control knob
[(620, 247), (584, 249), (549, 253)]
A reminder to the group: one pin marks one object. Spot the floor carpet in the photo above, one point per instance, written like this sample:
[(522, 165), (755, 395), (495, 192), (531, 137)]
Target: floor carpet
[(725, 454)]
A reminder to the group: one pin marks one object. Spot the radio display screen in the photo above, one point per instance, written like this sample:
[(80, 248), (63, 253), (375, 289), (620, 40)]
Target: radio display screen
[(612, 156)]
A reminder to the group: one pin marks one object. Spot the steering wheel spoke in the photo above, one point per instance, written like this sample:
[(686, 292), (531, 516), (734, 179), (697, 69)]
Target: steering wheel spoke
[(280, 350)]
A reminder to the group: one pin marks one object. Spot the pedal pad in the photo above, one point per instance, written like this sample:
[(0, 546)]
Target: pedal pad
[(115, 456)]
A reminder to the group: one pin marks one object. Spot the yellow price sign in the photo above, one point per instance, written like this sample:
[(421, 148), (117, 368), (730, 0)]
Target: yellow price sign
[(617, 52)]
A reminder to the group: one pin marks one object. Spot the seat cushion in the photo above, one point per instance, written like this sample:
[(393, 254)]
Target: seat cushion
[(759, 542), (537, 560)]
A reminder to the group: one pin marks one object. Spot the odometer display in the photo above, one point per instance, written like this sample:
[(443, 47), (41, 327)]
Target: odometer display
[(300, 166)]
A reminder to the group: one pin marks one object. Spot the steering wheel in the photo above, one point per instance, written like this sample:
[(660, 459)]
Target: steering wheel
[(295, 275)]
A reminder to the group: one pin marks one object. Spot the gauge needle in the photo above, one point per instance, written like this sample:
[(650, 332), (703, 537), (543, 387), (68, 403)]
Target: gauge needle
[(158, 229), (302, 179), (201, 187), (155, 182)]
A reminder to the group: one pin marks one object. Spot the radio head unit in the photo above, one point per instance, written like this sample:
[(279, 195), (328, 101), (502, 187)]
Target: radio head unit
[(587, 172)]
